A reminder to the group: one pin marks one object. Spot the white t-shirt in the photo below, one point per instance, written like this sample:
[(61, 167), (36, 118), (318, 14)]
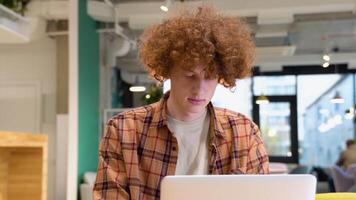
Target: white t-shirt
[(192, 140)]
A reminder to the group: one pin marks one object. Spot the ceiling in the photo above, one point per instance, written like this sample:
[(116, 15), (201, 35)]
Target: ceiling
[(141, 1), (310, 30), (308, 36), (314, 35)]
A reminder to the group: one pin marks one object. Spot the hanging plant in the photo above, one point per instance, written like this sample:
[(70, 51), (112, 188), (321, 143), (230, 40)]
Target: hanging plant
[(18, 6), (154, 94)]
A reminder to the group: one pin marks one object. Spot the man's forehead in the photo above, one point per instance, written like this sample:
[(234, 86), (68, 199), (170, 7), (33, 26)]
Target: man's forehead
[(196, 68)]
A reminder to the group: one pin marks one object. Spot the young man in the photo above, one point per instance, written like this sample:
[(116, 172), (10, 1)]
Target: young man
[(348, 156), (183, 133)]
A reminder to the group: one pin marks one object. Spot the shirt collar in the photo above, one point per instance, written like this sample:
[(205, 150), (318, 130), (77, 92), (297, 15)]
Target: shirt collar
[(215, 124), (162, 109), (214, 121)]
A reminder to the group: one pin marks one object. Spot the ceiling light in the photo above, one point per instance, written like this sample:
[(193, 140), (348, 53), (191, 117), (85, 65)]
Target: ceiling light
[(262, 100), (137, 88), (326, 57), (337, 98), (165, 7), (326, 64)]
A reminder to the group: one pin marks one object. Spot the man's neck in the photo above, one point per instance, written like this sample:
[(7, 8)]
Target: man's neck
[(180, 114)]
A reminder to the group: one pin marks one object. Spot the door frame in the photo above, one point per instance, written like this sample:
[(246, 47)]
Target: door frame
[(292, 99)]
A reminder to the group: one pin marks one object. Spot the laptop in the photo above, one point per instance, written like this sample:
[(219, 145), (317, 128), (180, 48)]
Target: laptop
[(241, 187)]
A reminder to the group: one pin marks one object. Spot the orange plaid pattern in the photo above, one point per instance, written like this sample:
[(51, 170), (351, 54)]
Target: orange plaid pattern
[(137, 151)]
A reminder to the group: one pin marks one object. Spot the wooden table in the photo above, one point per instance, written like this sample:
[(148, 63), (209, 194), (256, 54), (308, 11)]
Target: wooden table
[(23, 166)]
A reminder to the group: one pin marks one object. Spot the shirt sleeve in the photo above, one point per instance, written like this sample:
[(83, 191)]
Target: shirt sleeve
[(111, 179), (257, 155)]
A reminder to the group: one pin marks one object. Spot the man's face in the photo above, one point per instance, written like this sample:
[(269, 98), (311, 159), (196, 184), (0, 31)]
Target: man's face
[(191, 90)]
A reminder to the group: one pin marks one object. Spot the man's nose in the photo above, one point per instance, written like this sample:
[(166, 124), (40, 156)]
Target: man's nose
[(199, 85)]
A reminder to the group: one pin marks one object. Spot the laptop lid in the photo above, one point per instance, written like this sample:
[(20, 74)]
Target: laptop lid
[(242, 187)]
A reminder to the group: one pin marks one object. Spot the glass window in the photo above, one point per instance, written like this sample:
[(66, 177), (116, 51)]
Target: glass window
[(323, 126), (274, 85), (275, 128)]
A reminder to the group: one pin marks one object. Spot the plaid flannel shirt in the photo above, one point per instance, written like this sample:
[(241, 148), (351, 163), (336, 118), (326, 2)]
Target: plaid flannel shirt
[(137, 151)]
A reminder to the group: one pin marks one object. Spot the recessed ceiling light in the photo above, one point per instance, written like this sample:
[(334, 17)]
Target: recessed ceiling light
[(326, 64)]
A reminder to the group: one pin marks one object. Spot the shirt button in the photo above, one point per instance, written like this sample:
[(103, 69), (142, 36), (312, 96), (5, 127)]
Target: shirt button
[(174, 148)]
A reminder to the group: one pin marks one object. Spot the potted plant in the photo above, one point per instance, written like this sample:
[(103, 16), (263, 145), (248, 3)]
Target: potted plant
[(18, 6)]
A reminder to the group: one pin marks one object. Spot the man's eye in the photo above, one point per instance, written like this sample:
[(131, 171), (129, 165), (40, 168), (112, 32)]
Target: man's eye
[(189, 75)]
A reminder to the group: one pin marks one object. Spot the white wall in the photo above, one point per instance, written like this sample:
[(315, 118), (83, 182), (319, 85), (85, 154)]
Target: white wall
[(36, 61)]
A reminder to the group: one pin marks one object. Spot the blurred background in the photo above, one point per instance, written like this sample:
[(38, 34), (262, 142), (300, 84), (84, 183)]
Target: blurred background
[(67, 66)]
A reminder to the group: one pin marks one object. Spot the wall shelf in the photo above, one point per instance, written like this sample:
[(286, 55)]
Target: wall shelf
[(14, 28)]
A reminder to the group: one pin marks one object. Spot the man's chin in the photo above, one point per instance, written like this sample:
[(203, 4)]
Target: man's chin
[(196, 108)]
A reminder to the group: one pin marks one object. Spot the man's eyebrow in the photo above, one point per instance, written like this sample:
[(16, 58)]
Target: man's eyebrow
[(188, 70)]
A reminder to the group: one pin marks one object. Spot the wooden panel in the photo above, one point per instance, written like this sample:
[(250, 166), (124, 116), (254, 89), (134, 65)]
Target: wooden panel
[(12, 139), (44, 170), (23, 166), (4, 154), (25, 173)]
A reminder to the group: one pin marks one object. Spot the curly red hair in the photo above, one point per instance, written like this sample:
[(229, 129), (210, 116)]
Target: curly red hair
[(204, 36)]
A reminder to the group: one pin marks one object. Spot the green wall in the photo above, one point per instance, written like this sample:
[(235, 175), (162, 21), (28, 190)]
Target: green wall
[(88, 112)]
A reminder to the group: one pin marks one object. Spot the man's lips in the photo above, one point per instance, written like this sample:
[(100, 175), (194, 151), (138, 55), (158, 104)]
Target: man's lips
[(196, 101)]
